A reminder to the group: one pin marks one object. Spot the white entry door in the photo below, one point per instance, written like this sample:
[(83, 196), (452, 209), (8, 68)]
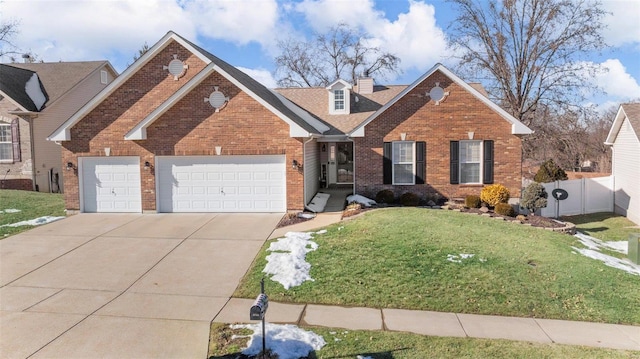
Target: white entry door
[(110, 184), (221, 183)]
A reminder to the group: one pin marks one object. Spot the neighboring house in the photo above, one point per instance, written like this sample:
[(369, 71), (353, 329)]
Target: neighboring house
[(35, 99), (182, 131), (624, 139)]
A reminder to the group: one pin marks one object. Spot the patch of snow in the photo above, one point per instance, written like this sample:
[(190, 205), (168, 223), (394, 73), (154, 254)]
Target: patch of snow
[(11, 210), (287, 265), (367, 202), (322, 231), (459, 258), (287, 341), (306, 215), (34, 222), (594, 245), (363, 357)]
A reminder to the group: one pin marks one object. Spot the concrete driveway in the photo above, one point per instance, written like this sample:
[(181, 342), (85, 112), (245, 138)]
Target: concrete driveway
[(123, 285)]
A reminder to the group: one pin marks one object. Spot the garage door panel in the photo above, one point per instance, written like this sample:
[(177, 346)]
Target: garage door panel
[(110, 184), (224, 183)]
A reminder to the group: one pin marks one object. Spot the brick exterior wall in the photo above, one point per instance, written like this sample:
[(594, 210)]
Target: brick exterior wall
[(190, 127), (19, 184), (18, 175), (451, 120)]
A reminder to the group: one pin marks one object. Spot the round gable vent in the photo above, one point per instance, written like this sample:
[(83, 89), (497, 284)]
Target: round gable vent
[(176, 67), (217, 99), (437, 94)]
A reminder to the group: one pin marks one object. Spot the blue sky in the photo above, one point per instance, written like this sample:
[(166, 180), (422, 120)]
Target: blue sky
[(245, 32)]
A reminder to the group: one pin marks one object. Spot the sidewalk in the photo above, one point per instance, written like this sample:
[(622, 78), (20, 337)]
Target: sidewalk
[(440, 324), (549, 331)]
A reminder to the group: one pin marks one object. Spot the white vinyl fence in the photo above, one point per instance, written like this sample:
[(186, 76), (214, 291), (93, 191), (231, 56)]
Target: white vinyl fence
[(586, 195)]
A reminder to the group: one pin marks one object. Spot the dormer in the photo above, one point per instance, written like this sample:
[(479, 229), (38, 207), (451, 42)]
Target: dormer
[(339, 97)]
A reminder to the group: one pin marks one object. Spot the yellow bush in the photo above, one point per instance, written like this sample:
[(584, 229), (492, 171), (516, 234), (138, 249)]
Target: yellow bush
[(494, 194)]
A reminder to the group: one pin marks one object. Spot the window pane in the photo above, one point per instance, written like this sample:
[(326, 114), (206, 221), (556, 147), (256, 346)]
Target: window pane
[(469, 173), (5, 133), (338, 96), (403, 152), (403, 174), (469, 151), (5, 151)]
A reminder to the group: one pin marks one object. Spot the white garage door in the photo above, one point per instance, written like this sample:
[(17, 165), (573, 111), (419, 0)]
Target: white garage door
[(221, 183), (110, 184)]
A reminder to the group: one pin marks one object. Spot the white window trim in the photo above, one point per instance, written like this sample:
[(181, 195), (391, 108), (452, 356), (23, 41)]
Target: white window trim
[(481, 161), (10, 142), (335, 100), (413, 164)]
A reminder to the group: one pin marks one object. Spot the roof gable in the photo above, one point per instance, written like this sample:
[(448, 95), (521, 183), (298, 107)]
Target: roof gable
[(517, 127), (630, 112), (300, 127)]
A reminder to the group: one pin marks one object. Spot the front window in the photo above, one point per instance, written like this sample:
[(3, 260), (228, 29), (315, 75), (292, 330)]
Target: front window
[(403, 163), (6, 145), (338, 99), (470, 160)]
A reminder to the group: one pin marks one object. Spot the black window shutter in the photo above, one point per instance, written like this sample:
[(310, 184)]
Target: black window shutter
[(15, 140), (454, 163), (421, 162), (387, 173), (487, 177)]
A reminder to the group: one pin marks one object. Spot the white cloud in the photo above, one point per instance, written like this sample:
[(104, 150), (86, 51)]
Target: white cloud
[(79, 30), (622, 24), (413, 36), (235, 21), (262, 76), (617, 82)]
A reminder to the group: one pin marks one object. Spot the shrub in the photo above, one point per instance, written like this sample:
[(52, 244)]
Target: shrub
[(505, 209), (385, 196), (494, 194), (534, 197), (472, 201), (409, 199), (550, 172)]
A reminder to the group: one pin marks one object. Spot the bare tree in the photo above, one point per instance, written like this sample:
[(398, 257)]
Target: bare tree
[(141, 51), (342, 52), (528, 51), (8, 31)]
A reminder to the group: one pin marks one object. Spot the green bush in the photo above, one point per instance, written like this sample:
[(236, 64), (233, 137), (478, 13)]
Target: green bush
[(534, 197), (472, 201), (409, 199), (494, 194), (385, 196), (550, 172), (505, 209)]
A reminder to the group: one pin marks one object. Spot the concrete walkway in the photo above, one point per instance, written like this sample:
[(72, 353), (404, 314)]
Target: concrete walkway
[(442, 324)]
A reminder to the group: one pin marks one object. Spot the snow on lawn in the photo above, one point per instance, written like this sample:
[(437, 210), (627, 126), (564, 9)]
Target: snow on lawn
[(367, 202), (594, 245), (458, 258), (10, 210), (287, 263), (287, 341), (34, 222)]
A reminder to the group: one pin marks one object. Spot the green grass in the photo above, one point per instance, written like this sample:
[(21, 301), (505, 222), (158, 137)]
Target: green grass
[(394, 345), (31, 205), (604, 226), (397, 258)]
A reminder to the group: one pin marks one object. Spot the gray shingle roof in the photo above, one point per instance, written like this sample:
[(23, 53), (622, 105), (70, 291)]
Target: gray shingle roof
[(13, 82), (632, 110)]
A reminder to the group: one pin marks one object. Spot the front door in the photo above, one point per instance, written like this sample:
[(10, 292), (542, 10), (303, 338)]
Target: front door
[(344, 162)]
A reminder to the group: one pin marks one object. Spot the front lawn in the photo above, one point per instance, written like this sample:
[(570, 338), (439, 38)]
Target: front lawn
[(29, 205), (398, 258), (604, 226), (226, 343)]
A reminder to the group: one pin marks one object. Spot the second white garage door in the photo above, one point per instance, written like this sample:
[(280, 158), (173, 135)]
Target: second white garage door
[(221, 183)]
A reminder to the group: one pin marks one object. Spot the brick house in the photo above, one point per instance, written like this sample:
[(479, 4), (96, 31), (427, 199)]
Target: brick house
[(35, 99), (183, 131)]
